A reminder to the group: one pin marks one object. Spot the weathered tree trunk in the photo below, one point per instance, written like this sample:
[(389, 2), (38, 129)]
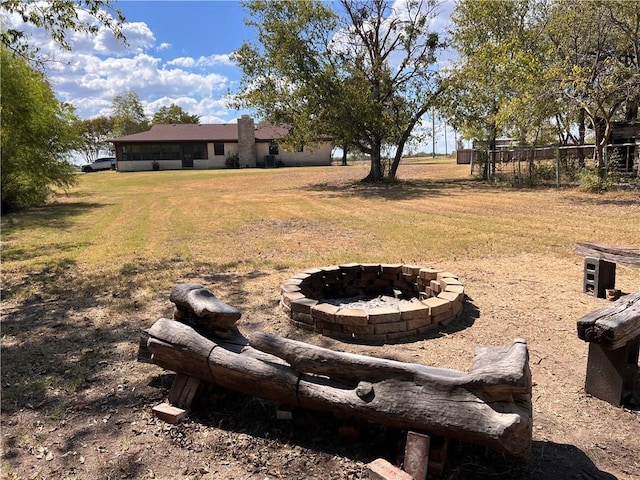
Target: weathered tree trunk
[(375, 172), (581, 136), (490, 405)]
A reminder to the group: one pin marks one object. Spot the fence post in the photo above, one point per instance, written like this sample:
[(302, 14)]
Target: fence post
[(558, 167)]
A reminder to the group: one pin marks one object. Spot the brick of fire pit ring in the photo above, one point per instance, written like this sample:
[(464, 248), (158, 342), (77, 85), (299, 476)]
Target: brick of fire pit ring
[(449, 281), (288, 297), (289, 288), (412, 270), (446, 274), (416, 324), (454, 297), (324, 312), (301, 276), (413, 310), (358, 330), (455, 288), (304, 320), (429, 273), (302, 305), (353, 316), (438, 306), (384, 315), (393, 327)]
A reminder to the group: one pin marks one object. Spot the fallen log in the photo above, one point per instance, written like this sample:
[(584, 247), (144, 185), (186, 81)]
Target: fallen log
[(490, 405)]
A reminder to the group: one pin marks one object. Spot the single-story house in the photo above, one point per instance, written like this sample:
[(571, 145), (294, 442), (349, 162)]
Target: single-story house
[(207, 146)]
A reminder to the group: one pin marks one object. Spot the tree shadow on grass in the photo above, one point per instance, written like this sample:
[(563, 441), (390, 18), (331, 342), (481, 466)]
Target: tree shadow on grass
[(602, 200), (399, 190), (60, 328), (53, 215)]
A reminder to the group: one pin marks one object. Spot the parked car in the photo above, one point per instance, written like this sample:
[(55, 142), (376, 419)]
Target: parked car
[(105, 163)]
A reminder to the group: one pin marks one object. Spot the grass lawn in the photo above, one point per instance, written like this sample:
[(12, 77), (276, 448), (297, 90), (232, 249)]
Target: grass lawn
[(296, 218), (84, 275)]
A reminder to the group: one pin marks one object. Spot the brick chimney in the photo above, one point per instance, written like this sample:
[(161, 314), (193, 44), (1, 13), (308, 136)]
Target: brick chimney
[(247, 152)]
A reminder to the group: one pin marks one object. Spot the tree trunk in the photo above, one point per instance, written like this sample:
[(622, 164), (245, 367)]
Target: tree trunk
[(375, 172), (581, 136), (344, 156), (490, 405)]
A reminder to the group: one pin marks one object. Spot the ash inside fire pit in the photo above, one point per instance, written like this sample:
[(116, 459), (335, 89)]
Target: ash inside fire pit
[(372, 303), (366, 302)]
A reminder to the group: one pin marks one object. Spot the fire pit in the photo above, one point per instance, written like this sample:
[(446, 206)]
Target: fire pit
[(372, 303)]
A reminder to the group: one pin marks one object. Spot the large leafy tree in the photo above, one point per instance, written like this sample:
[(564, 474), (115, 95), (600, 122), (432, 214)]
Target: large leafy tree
[(173, 114), (527, 65), (361, 73), (497, 71), (595, 66), (128, 114), (37, 132)]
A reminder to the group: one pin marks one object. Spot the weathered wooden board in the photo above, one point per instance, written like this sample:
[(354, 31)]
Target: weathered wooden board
[(612, 326), (490, 405), (628, 256)]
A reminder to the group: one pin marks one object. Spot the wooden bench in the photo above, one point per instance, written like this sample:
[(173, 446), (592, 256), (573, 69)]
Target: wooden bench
[(600, 265), (613, 333)]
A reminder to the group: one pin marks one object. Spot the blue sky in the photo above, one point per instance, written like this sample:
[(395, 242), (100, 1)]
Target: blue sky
[(178, 52)]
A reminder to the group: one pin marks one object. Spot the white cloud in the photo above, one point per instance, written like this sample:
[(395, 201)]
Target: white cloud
[(184, 62), (90, 83), (208, 61), (99, 67)]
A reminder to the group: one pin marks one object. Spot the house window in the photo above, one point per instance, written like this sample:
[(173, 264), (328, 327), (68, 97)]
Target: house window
[(273, 149), (218, 148), (200, 151)]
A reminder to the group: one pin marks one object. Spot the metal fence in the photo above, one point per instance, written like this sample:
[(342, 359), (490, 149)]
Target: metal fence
[(554, 165)]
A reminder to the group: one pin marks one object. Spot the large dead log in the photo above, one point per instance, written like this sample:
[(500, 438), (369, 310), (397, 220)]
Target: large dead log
[(490, 405)]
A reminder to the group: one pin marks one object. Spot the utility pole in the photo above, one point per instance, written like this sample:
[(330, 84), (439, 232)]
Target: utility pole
[(433, 132), (445, 139)]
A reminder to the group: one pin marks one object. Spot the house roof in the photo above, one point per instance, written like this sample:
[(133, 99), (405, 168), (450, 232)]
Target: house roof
[(215, 132)]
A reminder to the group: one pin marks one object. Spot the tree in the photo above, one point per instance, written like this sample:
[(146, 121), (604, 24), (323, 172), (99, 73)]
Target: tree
[(128, 115), (494, 80), (37, 133), (60, 18), (94, 136), (173, 114), (361, 75), (595, 67)]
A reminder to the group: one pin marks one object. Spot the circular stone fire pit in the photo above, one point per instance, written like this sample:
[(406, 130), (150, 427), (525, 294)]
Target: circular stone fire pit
[(372, 303)]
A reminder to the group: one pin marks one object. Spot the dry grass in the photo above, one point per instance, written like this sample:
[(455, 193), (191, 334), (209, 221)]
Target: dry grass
[(255, 219), (83, 276)]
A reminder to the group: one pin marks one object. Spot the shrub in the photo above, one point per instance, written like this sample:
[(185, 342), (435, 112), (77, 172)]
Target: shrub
[(232, 161), (592, 181)]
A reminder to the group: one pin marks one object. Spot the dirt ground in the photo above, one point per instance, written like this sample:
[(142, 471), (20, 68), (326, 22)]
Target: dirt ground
[(97, 423)]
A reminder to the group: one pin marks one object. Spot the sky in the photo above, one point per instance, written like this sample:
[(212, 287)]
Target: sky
[(177, 52)]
